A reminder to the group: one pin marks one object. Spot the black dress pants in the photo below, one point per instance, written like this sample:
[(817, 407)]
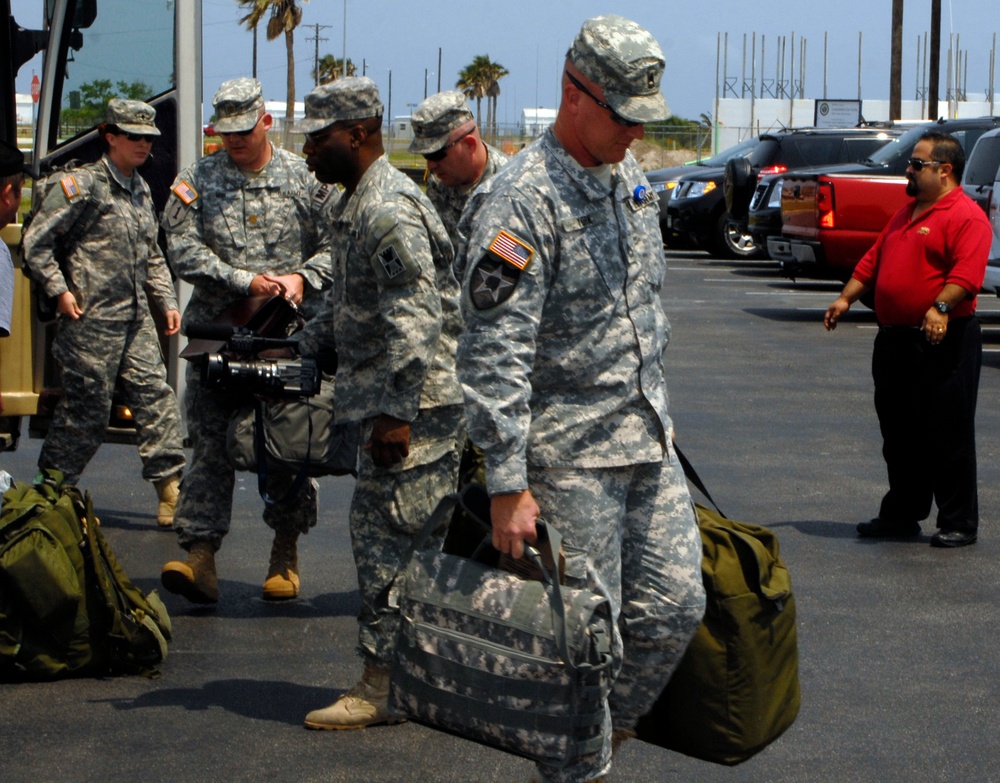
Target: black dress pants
[(925, 398)]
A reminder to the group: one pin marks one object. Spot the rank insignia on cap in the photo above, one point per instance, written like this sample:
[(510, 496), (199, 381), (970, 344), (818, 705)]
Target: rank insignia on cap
[(391, 262), (185, 192), (69, 186), (511, 249)]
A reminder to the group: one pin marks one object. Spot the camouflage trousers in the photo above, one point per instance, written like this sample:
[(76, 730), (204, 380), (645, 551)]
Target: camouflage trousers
[(93, 355), (388, 509), (630, 534), (205, 506)]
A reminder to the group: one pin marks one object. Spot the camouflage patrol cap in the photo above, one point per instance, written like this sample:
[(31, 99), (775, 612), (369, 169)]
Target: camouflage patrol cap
[(627, 63), (349, 98), (132, 116), (11, 159), (237, 105), (435, 119)]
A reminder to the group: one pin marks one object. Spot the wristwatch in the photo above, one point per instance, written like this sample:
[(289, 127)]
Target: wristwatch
[(942, 307)]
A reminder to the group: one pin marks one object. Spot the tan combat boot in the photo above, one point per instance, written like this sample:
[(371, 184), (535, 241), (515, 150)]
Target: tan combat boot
[(618, 736), (167, 490), (195, 578), (366, 704), (282, 582)]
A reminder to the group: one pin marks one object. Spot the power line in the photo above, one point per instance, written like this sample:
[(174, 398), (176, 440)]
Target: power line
[(317, 39)]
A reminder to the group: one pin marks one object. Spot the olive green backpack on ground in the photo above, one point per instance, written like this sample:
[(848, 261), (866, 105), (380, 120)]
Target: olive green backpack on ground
[(67, 607), (737, 687)]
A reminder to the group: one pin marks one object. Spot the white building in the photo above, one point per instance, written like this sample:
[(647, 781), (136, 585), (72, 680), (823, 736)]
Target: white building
[(535, 121)]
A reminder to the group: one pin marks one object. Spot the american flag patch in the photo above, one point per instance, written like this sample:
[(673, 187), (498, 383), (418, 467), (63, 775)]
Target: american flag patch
[(69, 186), (511, 249), (185, 192)]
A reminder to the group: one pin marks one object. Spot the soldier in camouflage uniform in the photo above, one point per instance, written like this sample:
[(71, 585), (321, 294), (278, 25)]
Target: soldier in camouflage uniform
[(561, 364), (93, 247), (247, 221), (395, 319), (458, 160)]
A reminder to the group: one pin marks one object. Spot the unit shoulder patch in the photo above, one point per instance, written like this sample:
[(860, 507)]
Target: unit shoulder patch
[(492, 282)]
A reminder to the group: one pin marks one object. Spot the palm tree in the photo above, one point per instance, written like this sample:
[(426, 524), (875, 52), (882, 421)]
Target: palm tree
[(285, 16), (495, 72), (332, 68), (473, 80)]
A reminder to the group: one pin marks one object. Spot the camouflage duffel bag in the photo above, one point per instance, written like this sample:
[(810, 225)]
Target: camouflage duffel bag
[(518, 664)]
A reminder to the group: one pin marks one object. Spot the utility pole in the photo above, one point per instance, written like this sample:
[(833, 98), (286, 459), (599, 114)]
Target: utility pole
[(935, 64), (896, 63), (317, 39)]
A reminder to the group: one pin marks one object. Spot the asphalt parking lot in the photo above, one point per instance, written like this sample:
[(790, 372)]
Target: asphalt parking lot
[(899, 672)]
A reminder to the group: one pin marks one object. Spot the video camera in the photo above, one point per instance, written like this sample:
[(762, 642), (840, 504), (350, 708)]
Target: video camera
[(222, 371)]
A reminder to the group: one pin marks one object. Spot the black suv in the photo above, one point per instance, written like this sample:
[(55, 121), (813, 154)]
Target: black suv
[(665, 180), (697, 206), (890, 160)]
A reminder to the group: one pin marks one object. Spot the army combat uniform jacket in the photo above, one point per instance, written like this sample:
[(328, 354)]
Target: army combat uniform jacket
[(112, 267), (224, 227), (562, 354), (449, 202)]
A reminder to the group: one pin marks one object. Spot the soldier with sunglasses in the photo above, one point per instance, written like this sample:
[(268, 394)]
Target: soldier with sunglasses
[(458, 160), (561, 266), (246, 221), (93, 244)]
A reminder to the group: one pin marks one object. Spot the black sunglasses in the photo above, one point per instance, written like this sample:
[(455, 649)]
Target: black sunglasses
[(917, 165), (136, 136), (440, 154), (614, 115)]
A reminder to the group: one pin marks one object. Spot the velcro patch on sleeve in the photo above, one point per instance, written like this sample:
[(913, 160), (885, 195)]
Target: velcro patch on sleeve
[(185, 192), (511, 249), (492, 283), (70, 186)]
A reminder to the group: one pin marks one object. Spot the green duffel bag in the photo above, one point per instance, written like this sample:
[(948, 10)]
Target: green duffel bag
[(737, 687), (67, 607)]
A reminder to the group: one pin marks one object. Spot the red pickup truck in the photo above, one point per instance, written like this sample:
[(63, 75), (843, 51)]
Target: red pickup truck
[(830, 217)]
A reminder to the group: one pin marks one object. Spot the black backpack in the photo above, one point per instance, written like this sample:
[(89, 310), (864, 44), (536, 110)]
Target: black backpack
[(67, 608)]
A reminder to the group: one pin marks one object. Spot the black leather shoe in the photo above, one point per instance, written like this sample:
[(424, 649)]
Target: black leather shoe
[(880, 528), (953, 538)]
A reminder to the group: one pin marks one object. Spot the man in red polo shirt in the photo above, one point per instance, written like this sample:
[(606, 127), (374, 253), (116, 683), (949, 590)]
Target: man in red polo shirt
[(926, 268)]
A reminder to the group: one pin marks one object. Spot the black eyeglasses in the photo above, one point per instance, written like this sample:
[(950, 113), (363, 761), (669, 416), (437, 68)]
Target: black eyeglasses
[(917, 165), (614, 115), (440, 154), (136, 136)]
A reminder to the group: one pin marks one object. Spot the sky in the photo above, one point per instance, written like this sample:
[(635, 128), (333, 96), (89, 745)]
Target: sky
[(402, 39)]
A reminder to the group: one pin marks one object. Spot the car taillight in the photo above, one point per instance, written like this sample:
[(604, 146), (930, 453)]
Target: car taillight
[(824, 204), (771, 170)]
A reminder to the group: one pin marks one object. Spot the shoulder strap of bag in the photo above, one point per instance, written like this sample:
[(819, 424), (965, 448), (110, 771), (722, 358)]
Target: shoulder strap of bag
[(694, 478)]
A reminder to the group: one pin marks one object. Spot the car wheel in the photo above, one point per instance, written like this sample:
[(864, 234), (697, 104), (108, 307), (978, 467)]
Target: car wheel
[(732, 241), (737, 185)]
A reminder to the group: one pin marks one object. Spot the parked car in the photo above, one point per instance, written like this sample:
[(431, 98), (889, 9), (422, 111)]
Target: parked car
[(831, 215), (992, 282), (698, 207), (981, 169), (763, 213), (664, 181)]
